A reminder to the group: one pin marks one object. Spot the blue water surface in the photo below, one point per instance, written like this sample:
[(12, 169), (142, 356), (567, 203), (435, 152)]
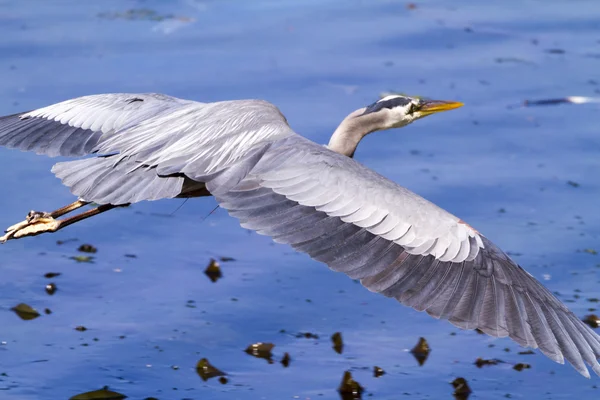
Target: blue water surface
[(525, 176)]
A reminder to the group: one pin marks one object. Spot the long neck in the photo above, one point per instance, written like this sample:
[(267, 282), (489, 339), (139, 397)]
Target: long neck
[(353, 128)]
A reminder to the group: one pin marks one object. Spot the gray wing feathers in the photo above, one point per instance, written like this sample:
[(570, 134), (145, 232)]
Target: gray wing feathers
[(75, 127), (46, 137), (486, 291), (311, 175), (152, 136), (104, 180)]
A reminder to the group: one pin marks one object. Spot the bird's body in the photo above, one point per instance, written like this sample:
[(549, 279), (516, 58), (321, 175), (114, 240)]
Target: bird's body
[(318, 199)]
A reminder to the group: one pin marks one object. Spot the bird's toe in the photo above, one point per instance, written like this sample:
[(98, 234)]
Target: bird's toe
[(39, 226), (16, 227)]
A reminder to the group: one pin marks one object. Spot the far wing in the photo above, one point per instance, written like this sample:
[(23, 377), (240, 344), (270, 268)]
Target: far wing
[(75, 127), (400, 245)]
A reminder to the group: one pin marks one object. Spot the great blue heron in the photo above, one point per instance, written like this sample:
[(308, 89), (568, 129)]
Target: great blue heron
[(316, 198)]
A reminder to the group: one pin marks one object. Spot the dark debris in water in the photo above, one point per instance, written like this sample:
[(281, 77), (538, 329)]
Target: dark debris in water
[(87, 248), (338, 343), (81, 328), (213, 271), (206, 370), (307, 335), (261, 350), (227, 259), (521, 366), (592, 320), (461, 389), (527, 352), (102, 394), (50, 275), (481, 362), (350, 389), (223, 380), (378, 372), (421, 351), (51, 288), (593, 300), (25, 312), (285, 361)]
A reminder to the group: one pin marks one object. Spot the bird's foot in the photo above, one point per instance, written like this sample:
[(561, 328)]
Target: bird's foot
[(35, 223)]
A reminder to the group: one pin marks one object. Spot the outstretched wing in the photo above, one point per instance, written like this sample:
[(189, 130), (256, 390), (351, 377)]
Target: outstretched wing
[(153, 141), (400, 245), (75, 127)]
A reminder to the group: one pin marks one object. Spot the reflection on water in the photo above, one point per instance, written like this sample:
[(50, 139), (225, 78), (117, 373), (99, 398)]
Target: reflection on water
[(525, 176)]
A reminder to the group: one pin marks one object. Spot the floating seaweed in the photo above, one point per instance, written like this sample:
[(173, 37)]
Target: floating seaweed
[(83, 259), (213, 271), (481, 362), (521, 366), (378, 372), (338, 343), (261, 350), (421, 351), (51, 288), (25, 312), (462, 391), (102, 394), (592, 320), (87, 248), (206, 370), (350, 389)]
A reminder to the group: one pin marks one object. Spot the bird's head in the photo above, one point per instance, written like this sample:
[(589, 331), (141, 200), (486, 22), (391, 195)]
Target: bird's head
[(396, 111)]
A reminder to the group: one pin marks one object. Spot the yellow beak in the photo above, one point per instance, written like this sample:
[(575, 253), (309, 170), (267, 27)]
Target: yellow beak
[(429, 107)]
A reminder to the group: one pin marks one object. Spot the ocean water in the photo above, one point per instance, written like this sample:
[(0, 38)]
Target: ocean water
[(527, 177)]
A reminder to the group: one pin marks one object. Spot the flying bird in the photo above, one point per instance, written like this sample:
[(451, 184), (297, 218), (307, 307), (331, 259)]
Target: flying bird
[(316, 198)]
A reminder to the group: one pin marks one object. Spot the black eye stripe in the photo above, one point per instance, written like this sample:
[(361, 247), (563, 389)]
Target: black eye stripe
[(391, 103)]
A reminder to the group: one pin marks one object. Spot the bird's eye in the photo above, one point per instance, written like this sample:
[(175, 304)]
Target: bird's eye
[(412, 108)]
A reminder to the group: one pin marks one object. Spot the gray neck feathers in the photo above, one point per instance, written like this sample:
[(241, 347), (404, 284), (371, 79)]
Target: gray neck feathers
[(353, 128)]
